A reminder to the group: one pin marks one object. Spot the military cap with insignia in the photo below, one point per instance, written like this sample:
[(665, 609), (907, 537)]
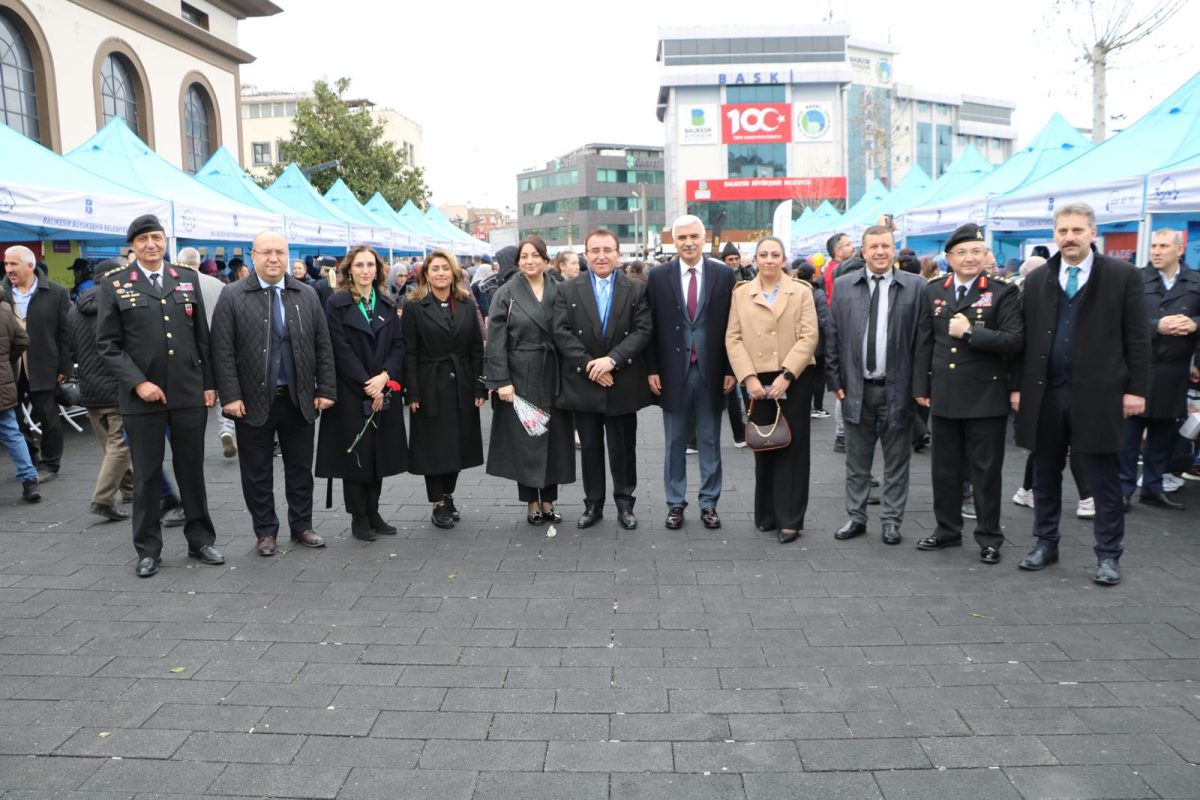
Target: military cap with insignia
[(964, 233), (143, 224)]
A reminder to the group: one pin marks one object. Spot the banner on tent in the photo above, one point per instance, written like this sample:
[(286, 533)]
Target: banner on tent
[(1174, 192), (930, 221), (316, 234), (76, 214), (1117, 201), (208, 224)]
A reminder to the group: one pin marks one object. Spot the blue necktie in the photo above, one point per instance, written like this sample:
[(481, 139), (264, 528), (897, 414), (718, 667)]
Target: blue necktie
[(277, 310), (604, 306), (1072, 282)]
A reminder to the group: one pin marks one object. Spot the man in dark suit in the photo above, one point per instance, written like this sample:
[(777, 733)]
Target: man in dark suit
[(273, 381), (963, 360), (1086, 368), (602, 327), (869, 362), (689, 369), (1173, 306), (152, 332), (41, 306)]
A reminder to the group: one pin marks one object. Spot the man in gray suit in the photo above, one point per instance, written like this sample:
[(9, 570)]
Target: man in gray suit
[(869, 350), (210, 290)]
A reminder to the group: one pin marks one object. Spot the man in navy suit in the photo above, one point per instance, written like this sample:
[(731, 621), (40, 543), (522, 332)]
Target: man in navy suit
[(689, 369)]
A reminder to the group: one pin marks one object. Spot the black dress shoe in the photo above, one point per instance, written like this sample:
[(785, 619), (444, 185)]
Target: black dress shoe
[(1039, 557), (626, 518), (207, 554), (440, 516), (146, 567), (839, 444), (1160, 500), (768, 526), (1126, 504), (850, 530), (534, 517), (674, 519), (710, 519), (787, 537), (30, 492), (109, 512), (934, 543), (552, 515), (590, 516), (1107, 573), (891, 533), (990, 555), (448, 502)]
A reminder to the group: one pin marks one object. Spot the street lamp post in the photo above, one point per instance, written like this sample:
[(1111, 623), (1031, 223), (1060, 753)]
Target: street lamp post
[(641, 196)]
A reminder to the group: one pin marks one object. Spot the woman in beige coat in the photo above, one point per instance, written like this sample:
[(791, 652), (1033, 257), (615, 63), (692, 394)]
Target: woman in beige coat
[(771, 338)]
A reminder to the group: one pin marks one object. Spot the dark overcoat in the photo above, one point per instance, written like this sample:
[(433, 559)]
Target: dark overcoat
[(1110, 356), (969, 378), (46, 323), (520, 351), (443, 371), (1172, 355), (156, 335), (13, 342), (674, 332), (580, 338), (362, 350)]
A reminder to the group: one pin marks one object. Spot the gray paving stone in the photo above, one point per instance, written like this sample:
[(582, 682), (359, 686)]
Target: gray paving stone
[(823, 785), (818, 699), (862, 754), (45, 774), (356, 751), (206, 718), (986, 751), (293, 780), (1084, 783), (250, 748), (952, 784), (404, 698), (516, 700), (607, 700), (736, 757), (123, 743), (33, 739), (1023, 721), (550, 727), (556, 677), (431, 725), (664, 786), (1116, 748), (669, 727), (1139, 720), (1171, 781), (166, 776), (516, 785), (485, 755), (336, 722), (905, 724), (608, 757)]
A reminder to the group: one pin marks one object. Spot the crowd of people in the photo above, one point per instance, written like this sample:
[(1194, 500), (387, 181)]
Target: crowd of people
[(1093, 357)]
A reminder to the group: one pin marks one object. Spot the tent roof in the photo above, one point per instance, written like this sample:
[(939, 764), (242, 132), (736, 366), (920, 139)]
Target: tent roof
[(379, 206), (294, 189), (439, 222), (341, 197), (960, 176), (223, 173), (1057, 144)]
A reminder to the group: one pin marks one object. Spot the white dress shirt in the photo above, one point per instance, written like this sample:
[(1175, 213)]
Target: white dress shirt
[(882, 325), (1085, 270), (684, 277)]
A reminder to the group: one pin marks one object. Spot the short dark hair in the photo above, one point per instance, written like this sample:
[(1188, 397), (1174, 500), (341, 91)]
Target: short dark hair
[(601, 232), (536, 242), (878, 230), (832, 243)]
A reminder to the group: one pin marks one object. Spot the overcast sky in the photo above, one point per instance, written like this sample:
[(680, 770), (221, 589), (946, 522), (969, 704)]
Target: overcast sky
[(500, 87)]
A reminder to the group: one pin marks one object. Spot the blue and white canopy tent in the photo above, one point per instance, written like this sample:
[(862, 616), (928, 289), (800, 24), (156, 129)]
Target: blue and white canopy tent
[(372, 226)]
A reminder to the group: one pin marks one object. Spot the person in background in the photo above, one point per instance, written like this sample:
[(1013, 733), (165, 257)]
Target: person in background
[(443, 371), (82, 271), (771, 339), (13, 341), (300, 272), (210, 289), (804, 271), (520, 361), (325, 285), (733, 259), (98, 390), (41, 308), (238, 269), (368, 347), (636, 270), (566, 264)]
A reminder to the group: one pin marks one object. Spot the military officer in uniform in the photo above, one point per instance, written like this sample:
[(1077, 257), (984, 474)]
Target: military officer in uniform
[(152, 331), (962, 374)]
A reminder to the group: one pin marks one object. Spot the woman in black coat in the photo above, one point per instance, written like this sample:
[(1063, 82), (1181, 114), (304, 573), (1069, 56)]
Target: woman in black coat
[(443, 381), (521, 361), (368, 348)]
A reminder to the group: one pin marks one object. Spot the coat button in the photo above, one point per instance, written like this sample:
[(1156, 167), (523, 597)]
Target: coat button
[(166, 318), (951, 366), (953, 349), (170, 352), (451, 374), (168, 334), (163, 301)]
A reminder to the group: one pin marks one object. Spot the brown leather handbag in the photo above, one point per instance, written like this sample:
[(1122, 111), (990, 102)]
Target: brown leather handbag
[(775, 437)]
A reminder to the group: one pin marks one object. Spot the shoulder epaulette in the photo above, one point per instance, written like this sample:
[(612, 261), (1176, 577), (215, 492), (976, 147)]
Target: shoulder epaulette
[(935, 278), (112, 271)]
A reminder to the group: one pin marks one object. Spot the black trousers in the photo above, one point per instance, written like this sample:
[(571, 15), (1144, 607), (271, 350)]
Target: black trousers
[(781, 476), (970, 449), (1081, 482), (533, 494), (737, 419), (295, 435), (147, 449), (1049, 459), (621, 433), (438, 486), (362, 498), (817, 382), (45, 449)]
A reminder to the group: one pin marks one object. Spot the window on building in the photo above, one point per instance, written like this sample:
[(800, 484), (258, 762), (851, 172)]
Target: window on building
[(18, 83), (740, 215), (198, 130), (193, 15), (762, 93), (922, 107), (118, 93), (982, 112), (757, 160), (945, 153), (290, 108), (925, 147), (262, 153)]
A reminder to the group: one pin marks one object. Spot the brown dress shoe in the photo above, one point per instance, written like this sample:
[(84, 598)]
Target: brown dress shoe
[(308, 539), (265, 546)]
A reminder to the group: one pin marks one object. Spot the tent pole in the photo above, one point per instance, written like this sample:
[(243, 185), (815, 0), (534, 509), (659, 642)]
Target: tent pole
[(1145, 229)]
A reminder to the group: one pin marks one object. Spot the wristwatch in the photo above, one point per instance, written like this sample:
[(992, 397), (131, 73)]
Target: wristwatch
[(787, 374), (966, 337)]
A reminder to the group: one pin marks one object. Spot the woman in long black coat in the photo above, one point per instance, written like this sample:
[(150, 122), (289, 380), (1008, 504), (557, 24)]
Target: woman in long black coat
[(368, 349), (521, 361), (443, 381)]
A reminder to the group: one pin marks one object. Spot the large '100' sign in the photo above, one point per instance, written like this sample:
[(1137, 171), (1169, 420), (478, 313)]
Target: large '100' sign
[(756, 123)]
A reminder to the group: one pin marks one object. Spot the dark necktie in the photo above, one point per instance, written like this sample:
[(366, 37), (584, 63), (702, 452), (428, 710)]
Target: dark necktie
[(691, 306), (156, 281), (962, 292), (277, 310), (873, 322)]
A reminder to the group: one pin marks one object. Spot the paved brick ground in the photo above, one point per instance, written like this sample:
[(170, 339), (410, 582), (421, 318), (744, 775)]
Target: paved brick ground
[(493, 662)]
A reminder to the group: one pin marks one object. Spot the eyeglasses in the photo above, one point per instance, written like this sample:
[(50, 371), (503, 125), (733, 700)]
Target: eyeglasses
[(596, 251), (977, 252), (271, 253)]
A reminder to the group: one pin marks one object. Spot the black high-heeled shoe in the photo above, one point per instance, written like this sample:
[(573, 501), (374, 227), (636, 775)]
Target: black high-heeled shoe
[(552, 515), (534, 518)]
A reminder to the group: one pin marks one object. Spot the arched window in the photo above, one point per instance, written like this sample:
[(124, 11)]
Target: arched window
[(118, 93), (18, 83), (197, 128)]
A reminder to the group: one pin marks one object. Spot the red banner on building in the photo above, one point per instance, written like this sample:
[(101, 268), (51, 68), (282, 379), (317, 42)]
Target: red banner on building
[(756, 123), (767, 189)]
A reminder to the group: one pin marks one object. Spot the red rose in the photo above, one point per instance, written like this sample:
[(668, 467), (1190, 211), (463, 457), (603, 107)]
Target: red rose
[(393, 385)]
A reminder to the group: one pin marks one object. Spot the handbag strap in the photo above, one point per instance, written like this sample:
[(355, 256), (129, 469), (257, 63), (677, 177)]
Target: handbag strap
[(774, 425)]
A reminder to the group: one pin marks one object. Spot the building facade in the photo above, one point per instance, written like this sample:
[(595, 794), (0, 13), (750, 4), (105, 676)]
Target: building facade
[(169, 69), (613, 186), (267, 118), (758, 115)]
